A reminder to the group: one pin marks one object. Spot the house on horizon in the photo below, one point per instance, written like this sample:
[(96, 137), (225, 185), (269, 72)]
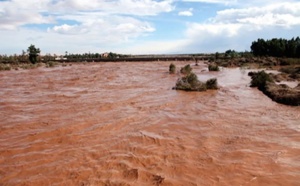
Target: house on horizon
[(105, 55), (60, 58)]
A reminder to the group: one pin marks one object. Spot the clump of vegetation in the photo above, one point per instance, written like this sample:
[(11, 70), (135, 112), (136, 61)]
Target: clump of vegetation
[(172, 69), (279, 93), (51, 64), (190, 82), (187, 69), (260, 79), (213, 67), (4, 67), (212, 83)]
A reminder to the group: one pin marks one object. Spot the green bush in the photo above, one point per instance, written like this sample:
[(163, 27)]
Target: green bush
[(213, 67), (172, 69), (212, 83), (187, 69), (260, 79)]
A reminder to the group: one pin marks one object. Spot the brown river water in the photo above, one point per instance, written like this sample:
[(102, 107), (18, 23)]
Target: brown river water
[(122, 124)]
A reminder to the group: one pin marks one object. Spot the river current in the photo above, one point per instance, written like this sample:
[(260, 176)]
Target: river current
[(122, 124)]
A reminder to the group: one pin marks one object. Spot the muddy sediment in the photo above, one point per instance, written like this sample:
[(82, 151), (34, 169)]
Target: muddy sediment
[(122, 124)]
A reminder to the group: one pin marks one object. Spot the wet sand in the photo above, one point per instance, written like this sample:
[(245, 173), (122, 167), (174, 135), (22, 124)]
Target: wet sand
[(122, 124)]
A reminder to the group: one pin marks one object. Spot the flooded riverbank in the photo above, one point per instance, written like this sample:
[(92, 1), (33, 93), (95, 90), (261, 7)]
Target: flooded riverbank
[(122, 124)]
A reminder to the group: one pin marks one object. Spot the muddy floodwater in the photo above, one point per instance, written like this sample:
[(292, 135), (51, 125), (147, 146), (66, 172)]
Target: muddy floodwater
[(122, 124)]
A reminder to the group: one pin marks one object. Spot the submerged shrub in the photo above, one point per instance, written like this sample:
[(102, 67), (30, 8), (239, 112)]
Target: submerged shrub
[(186, 69), (172, 68), (190, 82), (213, 67), (212, 83), (260, 79)]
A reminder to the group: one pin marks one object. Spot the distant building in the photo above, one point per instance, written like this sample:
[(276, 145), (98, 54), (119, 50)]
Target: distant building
[(60, 58), (105, 55)]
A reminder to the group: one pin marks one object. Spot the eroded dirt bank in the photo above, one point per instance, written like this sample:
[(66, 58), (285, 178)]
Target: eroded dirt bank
[(122, 124)]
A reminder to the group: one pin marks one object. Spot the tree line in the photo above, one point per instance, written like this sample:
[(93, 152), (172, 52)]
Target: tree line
[(274, 47), (277, 47)]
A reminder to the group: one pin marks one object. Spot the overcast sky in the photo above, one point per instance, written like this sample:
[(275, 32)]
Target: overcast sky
[(143, 26)]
